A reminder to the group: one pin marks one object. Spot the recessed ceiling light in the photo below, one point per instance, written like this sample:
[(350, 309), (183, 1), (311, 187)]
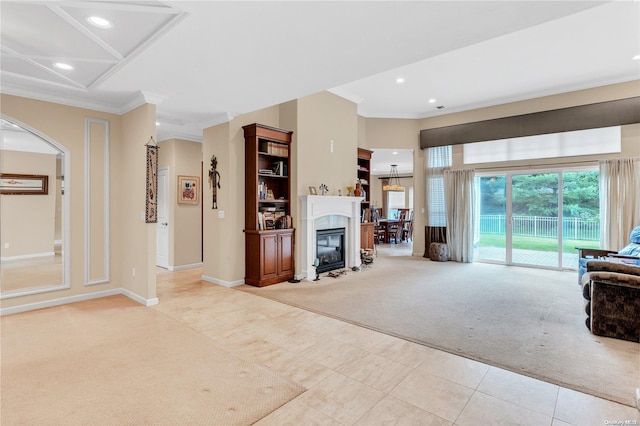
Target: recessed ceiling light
[(63, 66), (157, 123), (395, 152), (400, 80), (432, 101), (99, 22), (635, 58)]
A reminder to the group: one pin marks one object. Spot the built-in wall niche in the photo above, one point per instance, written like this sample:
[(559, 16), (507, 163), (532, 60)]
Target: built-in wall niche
[(97, 211), (34, 227)]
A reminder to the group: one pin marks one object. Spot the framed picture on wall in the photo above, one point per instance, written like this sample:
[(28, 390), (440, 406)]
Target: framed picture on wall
[(188, 190), (17, 184)]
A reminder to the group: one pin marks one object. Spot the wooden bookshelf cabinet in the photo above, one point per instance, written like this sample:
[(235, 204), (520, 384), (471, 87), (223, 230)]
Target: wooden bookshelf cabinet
[(364, 175), (269, 236)]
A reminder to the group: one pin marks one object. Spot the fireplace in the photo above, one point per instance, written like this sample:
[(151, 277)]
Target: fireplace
[(330, 249), (322, 212)]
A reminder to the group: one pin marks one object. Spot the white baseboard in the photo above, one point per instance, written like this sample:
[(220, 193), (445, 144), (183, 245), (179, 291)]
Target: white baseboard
[(77, 298), (183, 267), (140, 300), (27, 256), (221, 282)]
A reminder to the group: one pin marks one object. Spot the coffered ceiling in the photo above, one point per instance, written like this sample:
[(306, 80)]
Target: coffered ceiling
[(204, 62)]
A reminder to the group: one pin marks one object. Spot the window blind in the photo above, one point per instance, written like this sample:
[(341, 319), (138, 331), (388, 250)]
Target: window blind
[(438, 160)]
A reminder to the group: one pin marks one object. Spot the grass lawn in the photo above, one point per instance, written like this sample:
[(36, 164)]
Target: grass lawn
[(536, 243)]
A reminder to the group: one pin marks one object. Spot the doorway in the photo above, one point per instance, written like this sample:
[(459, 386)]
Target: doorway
[(162, 226), (537, 218)]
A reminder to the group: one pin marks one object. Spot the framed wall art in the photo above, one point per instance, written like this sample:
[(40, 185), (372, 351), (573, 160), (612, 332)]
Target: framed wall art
[(18, 184), (188, 190)]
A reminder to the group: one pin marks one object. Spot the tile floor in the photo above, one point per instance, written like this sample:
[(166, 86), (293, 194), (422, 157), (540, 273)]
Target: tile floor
[(355, 376)]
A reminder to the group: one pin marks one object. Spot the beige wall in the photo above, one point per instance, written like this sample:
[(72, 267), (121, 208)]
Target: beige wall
[(316, 120), (388, 133), (185, 220), (630, 139), (65, 126), (137, 239), (132, 241), (322, 118), (28, 221), (224, 240)]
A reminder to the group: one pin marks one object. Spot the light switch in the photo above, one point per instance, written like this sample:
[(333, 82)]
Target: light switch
[(221, 214)]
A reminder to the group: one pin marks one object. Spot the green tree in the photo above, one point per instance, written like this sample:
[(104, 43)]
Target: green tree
[(537, 195)]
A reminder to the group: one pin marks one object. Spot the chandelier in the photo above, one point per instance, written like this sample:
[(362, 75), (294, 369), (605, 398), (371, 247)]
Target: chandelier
[(394, 180)]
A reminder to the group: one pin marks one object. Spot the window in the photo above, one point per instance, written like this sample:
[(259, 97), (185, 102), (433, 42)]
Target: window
[(438, 160), (567, 144)]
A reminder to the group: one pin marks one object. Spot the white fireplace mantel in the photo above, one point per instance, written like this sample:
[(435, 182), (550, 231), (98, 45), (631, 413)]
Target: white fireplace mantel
[(317, 206)]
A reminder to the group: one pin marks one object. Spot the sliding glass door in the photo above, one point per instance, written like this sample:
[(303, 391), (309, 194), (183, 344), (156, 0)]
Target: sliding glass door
[(534, 219), (537, 219), (491, 228)]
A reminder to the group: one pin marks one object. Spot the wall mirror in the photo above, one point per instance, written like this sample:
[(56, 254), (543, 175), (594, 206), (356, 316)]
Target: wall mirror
[(34, 212)]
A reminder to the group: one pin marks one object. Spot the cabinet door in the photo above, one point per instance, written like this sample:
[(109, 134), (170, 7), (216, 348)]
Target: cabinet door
[(269, 265), (286, 254)]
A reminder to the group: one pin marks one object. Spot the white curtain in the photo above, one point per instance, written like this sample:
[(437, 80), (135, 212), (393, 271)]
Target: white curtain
[(619, 201), (460, 196)]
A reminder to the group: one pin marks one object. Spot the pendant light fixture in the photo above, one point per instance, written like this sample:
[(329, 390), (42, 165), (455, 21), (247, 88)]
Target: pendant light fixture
[(394, 180)]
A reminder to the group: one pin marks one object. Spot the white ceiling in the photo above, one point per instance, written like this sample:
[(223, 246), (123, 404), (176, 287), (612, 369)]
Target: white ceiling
[(204, 62)]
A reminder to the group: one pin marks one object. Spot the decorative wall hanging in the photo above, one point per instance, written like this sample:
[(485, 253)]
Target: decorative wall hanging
[(188, 190), (151, 210), (214, 181), (17, 184)]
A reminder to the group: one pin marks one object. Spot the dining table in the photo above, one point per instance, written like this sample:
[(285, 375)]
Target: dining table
[(385, 225)]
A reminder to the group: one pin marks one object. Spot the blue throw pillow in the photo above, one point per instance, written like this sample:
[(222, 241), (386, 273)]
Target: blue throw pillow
[(634, 237), (632, 249)]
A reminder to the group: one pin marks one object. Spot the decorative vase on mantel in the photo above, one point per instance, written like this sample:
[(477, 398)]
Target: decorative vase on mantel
[(358, 191)]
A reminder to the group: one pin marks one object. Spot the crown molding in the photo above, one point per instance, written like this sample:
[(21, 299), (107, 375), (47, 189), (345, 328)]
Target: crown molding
[(140, 99), (189, 137), (223, 117), (62, 100)]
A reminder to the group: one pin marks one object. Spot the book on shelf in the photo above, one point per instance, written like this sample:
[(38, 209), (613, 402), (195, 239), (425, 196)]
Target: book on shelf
[(269, 220), (262, 191), (274, 220), (260, 222), (274, 148), (265, 171), (284, 222), (278, 168)]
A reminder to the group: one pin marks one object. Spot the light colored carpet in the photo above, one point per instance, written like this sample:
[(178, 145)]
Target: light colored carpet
[(112, 361), (529, 321)]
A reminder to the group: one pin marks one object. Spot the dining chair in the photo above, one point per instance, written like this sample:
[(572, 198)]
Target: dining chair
[(379, 232), (396, 232), (407, 232), (402, 214)]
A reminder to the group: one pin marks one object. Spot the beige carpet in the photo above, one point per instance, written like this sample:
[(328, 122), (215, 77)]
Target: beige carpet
[(112, 361), (526, 320)]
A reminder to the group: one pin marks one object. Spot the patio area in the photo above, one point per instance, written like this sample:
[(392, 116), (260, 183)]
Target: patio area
[(547, 259)]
